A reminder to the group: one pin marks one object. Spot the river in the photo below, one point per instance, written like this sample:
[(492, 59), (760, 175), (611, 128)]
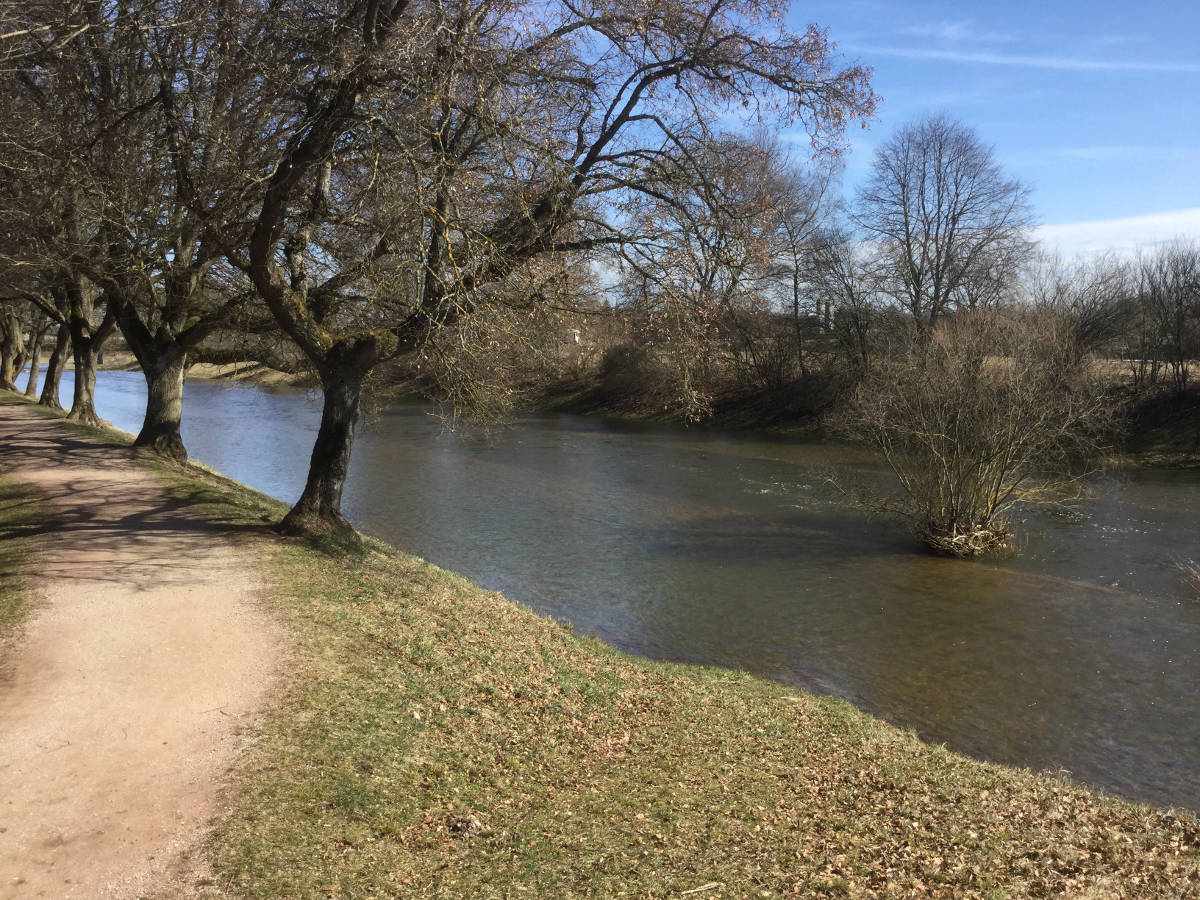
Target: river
[(1080, 654)]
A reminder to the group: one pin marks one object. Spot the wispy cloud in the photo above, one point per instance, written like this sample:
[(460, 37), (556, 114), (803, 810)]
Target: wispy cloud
[(1028, 62), (990, 92), (956, 32), (1123, 236), (1118, 153), (1109, 41)]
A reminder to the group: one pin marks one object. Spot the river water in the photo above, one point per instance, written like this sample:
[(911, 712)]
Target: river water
[(1080, 654)]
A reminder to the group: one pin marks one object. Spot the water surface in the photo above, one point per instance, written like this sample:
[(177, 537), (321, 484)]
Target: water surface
[(1081, 654)]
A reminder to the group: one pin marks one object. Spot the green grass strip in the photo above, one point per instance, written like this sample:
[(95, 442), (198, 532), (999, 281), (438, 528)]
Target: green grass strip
[(18, 521)]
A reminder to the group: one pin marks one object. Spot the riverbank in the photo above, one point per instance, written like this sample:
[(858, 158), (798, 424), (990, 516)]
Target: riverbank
[(1158, 428), (1163, 430), (17, 519), (245, 370), (438, 740), (1154, 427), (142, 657)]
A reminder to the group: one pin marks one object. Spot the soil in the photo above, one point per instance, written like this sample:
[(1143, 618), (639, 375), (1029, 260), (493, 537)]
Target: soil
[(136, 681)]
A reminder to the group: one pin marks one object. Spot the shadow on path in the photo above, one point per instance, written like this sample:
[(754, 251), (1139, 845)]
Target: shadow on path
[(147, 621)]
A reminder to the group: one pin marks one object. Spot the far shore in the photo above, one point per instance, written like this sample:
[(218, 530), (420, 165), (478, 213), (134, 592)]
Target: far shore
[(1162, 430)]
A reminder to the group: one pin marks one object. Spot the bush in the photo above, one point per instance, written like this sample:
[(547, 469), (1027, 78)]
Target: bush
[(986, 410), (1191, 576), (663, 378)]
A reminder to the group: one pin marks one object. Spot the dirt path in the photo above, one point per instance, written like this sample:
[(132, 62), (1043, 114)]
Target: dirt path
[(122, 705)]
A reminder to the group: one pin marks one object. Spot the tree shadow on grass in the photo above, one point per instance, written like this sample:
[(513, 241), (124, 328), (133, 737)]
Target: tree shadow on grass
[(96, 516)]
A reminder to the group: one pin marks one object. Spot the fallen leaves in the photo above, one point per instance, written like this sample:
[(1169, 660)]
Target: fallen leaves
[(505, 756)]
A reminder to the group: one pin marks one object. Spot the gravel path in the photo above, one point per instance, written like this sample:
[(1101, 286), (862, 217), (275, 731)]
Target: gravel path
[(123, 704)]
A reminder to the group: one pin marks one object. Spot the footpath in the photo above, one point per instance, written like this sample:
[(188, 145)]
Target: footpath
[(126, 695)]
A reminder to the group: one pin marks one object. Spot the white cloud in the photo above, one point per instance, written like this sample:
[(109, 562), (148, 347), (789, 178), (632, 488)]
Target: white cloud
[(1029, 62), (955, 32), (1121, 236), (1106, 42), (1111, 153)]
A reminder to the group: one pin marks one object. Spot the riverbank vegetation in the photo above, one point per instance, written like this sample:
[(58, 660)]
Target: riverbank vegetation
[(505, 207), (985, 412), (391, 180), (17, 522), (438, 740)]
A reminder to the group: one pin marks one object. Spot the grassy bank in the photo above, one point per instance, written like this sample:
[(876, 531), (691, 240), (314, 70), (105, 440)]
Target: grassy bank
[(247, 371), (438, 740), (1163, 430), (18, 521)]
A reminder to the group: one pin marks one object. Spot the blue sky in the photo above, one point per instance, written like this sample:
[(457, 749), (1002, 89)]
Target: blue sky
[(1095, 106)]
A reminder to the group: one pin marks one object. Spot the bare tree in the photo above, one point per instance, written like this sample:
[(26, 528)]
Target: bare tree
[(1094, 295), (702, 265), (949, 224), (435, 151), (1170, 293), (986, 410), (154, 153), (844, 283), (51, 229), (800, 236)]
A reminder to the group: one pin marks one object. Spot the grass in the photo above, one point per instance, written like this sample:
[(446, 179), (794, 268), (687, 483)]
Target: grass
[(438, 740), (1162, 430), (17, 519)]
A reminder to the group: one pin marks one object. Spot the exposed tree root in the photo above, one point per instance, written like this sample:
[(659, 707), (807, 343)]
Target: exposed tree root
[(328, 530), (968, 544), (166, 444)]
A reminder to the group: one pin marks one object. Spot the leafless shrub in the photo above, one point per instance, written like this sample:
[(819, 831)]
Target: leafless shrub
[(1170, 292), (987, 410), (1191, 576), (1094, 296)]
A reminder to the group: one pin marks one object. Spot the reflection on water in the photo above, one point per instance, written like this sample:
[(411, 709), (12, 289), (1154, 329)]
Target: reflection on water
[(1083, 653)]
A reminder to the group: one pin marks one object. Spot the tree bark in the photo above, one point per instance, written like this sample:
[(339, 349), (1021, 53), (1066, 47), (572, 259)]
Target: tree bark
[(54, 369), (319, 509), (83, 402), (162, 350), (7, 369), (164, 406), (35, 359), (10, 350), (84, 345), (318, 512), (35, 366)]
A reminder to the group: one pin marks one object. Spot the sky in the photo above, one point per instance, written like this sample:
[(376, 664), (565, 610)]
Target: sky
[(1094, 105)]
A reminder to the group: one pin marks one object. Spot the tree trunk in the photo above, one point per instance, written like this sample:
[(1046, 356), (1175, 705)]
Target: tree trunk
[(798, 320), (18, 365), (162, 357), (35, 364), (10, 351), (83, 404), (319, 509), (35, 368), (7, 368), (54, 369), (164, 407)]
